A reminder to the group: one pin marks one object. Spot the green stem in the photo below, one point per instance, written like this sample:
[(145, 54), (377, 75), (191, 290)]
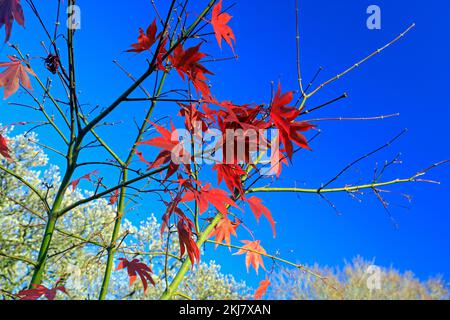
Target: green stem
[(333, 190), (121, 204)]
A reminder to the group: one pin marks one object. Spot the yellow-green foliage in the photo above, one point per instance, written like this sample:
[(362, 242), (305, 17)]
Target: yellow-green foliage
[(351, 283)]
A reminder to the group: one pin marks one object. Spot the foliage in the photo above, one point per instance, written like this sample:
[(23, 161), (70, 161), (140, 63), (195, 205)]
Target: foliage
[(350, 283), (80, 265), (56, 233)]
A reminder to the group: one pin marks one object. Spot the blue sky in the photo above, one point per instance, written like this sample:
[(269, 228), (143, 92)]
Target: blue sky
[(410, 78)]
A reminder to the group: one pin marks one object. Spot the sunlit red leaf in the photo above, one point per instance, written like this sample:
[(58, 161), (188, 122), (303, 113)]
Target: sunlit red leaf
[(223, 231), (145, 39), (207, 195), (170, 146), (283, 117), (187, 63), (232, 175), (262, 289), (14, 74), (219, 22), (137, 268), (253, 251), (259, 209), (187, 243)]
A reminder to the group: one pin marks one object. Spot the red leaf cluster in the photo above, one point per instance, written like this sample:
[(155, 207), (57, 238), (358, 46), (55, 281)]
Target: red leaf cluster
[(207, 195), (187, 63)]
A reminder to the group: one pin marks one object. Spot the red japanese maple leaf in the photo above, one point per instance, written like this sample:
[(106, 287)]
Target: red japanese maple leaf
[(4, 150), (219, 22), (146, 39), (137, 268), (283, 117), (10, 10), (217, 197), (187, 63), (170, 146), (187, 243), (39, 290), (262, 289), (253, 251), (15, 73), (259, 209), (232, 175), (87, 177), (223, 231)]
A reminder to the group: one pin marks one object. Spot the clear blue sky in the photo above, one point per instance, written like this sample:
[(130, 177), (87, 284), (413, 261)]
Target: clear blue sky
[(409, 78)]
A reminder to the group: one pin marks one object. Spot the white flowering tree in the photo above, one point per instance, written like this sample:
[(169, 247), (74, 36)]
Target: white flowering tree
[(80, 243)]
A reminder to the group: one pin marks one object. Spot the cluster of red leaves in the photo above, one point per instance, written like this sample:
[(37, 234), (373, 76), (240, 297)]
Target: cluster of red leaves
[(187, 64), (283, 118), (14, 74), (206, 195), (224, 116), (39, 290), (137, 268), (10, 10)]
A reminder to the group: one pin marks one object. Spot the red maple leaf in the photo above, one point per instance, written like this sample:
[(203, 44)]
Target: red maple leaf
[(283, 117), (87, 177), (39, 290), (170, 145), (219, 22), (253, 251), (137, 268), (146, 39), (259, 209), (232, 175), (187, 243), (15, 73), (217, 197), (4, 150), (187, 63), (223, 231), (10, 10), (262, 289)]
